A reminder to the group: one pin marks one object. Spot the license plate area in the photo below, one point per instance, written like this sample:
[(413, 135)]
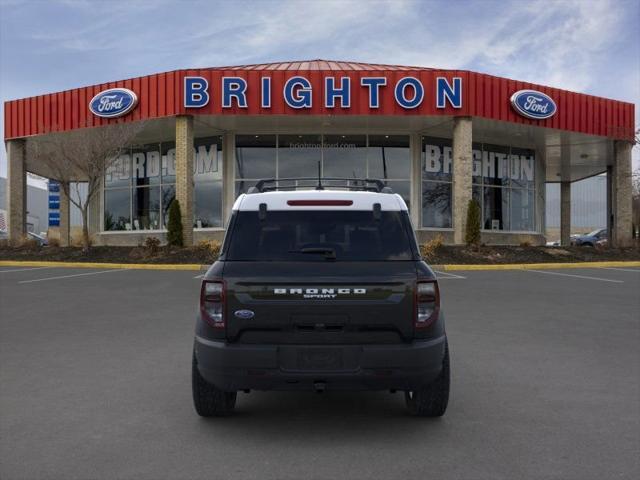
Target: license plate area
[(321, 358)]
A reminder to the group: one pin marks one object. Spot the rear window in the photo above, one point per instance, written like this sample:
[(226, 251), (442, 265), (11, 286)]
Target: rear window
[(337, 235)]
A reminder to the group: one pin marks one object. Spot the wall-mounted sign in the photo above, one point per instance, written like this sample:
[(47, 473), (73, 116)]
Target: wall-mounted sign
[(54, 203), (533, 104), (337, 92), (54, 219), (113, 103)]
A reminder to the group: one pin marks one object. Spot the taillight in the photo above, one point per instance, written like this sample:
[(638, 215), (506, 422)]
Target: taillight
[(427, 303), (212, 303)]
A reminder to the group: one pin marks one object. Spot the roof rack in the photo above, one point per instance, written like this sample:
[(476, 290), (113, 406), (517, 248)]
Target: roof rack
[(319, 183)]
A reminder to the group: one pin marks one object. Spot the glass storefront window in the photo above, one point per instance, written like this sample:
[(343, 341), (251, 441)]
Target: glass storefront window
[(498, 174), (146, 208), (437, 161), (168, 162), (496, 208), (168, 194), (298, 155), (495, 165), (145, 165), (255, 156), (389, 156), (208, 205), (522, 163), (522, 209), (436, 204), (117, 204), (153, 170), (118, 174), (344, 156)]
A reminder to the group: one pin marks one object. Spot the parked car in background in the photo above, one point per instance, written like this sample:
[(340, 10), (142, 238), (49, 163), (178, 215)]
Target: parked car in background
[(591, 238)]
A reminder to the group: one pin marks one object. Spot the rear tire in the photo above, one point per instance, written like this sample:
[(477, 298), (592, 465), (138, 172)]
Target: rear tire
[(431, 400), (209, 400)]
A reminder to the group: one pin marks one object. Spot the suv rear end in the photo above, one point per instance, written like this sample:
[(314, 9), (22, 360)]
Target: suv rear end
[(320, 290)]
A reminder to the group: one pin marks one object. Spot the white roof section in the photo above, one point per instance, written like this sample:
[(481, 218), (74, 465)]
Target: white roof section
[(277, 200)]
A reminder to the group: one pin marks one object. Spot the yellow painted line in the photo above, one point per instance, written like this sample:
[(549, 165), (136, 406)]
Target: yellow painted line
[(194, 266), (130, 266), (537, 266)]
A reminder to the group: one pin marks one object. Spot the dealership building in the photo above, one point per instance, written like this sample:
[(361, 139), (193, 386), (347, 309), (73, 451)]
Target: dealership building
[(437, 137)]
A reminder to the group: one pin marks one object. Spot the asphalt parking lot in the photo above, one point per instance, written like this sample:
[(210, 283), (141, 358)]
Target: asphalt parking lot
[(95, 384)]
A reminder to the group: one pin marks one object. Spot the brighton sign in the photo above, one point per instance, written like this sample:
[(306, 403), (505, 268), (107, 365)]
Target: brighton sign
[(408, 92)]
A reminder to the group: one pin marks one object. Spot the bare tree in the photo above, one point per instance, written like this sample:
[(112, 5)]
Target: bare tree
[(82, 156)]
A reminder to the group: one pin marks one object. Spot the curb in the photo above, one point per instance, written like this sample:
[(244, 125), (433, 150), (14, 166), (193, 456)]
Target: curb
[(127, 266), (536, 266)]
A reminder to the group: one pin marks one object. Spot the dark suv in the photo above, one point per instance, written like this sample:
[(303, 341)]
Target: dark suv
[(320, 289)]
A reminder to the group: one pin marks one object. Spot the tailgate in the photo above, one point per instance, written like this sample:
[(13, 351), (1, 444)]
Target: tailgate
[(319, 303)]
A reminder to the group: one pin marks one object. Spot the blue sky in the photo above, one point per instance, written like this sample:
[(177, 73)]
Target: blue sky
[(582, 45)]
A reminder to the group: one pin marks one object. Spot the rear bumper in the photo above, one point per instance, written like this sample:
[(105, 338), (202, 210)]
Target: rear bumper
[(233, 367)]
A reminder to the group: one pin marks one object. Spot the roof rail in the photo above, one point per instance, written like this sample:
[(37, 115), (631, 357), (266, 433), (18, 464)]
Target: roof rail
[(319, 183)]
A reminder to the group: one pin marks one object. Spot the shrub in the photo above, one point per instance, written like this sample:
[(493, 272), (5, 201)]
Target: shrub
[(430, 248), (54, 242), (152, 246), (472, 233), (174, 226), (525, 244), (27, 243), (210, 247)]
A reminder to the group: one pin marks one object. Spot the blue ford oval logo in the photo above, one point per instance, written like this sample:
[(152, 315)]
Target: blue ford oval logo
[(533, 104), (244, 314), (114, 102)]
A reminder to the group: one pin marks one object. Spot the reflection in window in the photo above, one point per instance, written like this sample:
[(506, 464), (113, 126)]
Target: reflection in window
[(522, 209), (146, 208), (153, 168), (436, 204), (255, 156), (146, 165), (344, 156), (168, 195), (298, 155), (496, 208), (117, 215), (208, 205), (389, 156)]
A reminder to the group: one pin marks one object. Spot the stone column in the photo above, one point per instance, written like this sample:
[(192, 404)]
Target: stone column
[(16, 191), (228, 174), (621, 184), (184, 174), (565, 213), (65, 218), (462, 175), (416, 179)]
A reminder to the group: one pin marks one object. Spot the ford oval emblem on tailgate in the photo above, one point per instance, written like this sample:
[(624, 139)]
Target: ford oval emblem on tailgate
[(244, 314)]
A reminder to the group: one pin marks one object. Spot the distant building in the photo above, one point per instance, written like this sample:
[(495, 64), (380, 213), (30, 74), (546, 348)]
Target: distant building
[(37, 207)]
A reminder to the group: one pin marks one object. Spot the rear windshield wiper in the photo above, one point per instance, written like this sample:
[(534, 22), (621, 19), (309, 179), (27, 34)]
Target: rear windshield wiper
[(329, 253)]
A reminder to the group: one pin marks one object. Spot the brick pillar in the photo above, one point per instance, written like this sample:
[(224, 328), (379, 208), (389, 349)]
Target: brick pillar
[(621, 185), (462, 175), (16, 191), (65, 219), (228, 173), (184, 174), (565, 213)]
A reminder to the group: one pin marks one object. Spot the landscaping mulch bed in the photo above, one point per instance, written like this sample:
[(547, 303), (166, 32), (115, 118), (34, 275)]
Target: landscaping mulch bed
[(170, 255), (444, 254), (447, 254)]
